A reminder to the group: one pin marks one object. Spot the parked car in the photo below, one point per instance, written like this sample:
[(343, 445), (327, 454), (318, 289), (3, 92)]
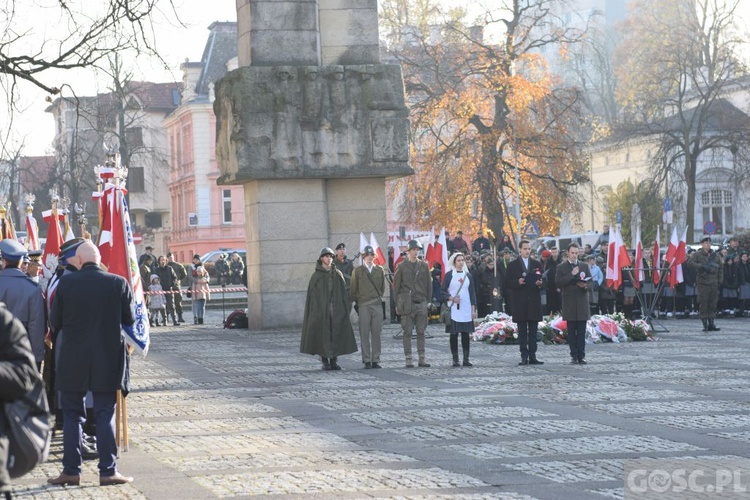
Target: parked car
[(209, 261)]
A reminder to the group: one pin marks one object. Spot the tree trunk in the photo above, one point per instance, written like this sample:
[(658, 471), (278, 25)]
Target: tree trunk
[(690, 171)]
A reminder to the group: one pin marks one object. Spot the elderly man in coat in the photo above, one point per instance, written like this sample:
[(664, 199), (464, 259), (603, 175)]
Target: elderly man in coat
[(573, 277), (89, 307), (524, 280), (326, 328)]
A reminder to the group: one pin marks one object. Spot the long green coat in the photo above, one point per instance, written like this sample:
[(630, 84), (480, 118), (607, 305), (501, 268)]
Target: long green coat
[(326, 329)]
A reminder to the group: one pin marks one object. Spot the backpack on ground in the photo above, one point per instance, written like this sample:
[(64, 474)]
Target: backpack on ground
[(29, 430), (237, 319)]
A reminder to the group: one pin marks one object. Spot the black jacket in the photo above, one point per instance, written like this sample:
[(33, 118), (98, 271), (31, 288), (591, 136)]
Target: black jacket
[(166, 275), (89, 307), (17, 373), (526, 299)]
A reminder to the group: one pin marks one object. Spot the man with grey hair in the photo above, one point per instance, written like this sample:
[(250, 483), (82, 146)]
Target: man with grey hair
[(88, 309)]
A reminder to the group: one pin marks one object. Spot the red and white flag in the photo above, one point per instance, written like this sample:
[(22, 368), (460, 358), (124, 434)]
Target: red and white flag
[(380, 259), (117, 248), (656, 257), (54, 241), (676, 256), (617, 258), (430, 255), (32, 232), (441, 253), (638, 274)]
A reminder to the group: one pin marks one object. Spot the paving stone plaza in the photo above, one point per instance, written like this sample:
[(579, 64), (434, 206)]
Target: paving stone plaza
[(235, 413)]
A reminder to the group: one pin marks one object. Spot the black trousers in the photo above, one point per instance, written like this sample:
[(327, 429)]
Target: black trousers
[(577, 339), (527, 338)]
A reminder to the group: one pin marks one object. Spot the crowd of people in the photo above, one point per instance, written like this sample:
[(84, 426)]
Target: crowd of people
[(493, 276), (71, 331)]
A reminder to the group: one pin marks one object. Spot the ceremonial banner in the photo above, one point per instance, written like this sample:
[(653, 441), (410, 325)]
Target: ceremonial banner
[(117, 248)]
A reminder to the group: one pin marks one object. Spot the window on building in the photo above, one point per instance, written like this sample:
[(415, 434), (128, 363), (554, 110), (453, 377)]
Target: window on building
[(226, 203), (136, 181), (134, 136), (153, 220), (717, 208)]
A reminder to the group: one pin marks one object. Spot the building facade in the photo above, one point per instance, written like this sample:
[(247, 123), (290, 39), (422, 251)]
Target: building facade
[(205, 216)]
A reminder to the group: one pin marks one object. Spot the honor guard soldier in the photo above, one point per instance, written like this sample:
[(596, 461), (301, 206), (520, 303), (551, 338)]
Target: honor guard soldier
[(412, 285), (709, 273), (22, 295)]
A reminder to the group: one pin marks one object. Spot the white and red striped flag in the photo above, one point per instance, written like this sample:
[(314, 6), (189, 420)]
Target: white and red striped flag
[(617, 258), (429, 253), (638, 274), (118, 255), (32, 232), (441, 253), (380, 259), (676, 256), (54, 240), (656, 257)]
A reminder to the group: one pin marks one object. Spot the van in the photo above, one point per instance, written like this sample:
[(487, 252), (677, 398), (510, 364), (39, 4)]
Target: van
[(562, 241)]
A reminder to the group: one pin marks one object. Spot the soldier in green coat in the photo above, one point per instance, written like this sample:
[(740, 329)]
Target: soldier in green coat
[(326, 330), (709, 273)]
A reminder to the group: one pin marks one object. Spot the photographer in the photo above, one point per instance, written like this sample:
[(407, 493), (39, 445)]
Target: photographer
[(199, 290)]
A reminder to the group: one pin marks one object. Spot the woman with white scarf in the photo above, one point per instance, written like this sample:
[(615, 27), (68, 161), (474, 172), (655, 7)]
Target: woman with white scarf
[(458, 291)]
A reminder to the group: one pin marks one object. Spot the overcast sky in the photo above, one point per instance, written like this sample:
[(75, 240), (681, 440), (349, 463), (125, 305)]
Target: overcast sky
[(36, 128)]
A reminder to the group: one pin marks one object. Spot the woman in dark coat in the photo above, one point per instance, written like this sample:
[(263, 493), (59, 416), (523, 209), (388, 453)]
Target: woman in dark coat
[(326, 329)]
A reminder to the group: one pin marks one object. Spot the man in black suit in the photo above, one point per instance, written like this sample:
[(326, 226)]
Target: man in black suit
[(88, 309), (524, 280)]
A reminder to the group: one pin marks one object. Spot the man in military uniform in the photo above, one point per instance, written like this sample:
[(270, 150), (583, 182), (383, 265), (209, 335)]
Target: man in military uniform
[(412, 285), (346, 267), (34, 267), (181, 273), (22, 296), (368, 288), (709, 273)]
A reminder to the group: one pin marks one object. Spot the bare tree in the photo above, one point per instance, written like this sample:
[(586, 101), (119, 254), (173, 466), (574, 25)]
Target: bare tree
[(482, 108), (678, 68)]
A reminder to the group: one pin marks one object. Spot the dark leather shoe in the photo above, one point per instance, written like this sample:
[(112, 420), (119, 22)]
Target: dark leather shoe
[(113, 480), (523, 362), (368, 365), (376, 365), (64, 479), (573, 361), (534, 361), (582, 361), (467, 363), (334, 364)]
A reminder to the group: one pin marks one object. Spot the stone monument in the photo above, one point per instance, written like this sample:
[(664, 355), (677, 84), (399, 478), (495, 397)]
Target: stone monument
[(312, 125)]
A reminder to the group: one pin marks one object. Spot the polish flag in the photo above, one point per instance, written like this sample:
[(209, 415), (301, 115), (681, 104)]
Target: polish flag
[(430, 255), (441, 253), (638, 264), (379, 257), (68, 232), (617, 258), (396, 253), (54, 240), (676, 256), (656, 257), (32, 232)]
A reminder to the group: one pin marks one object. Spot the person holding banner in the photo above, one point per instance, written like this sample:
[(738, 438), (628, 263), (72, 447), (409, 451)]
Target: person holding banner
[(89, 309)]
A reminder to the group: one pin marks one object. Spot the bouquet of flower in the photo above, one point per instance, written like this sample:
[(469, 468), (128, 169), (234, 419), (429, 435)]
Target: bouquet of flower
[(551, 335), (498, 329), (606, 329), (637, 330)]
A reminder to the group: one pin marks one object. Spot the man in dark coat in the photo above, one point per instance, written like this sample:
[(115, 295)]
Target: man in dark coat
[(326, 329), (89, 307), (17, 373), (553, 292), (22, 296), (524, 282), (168, 280), (573, 278)]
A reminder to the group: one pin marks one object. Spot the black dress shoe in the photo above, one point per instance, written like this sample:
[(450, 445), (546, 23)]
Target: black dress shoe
[(582, 361), (523, 362), (534, 361), (368, 365), (376, 365), (334, 364)]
